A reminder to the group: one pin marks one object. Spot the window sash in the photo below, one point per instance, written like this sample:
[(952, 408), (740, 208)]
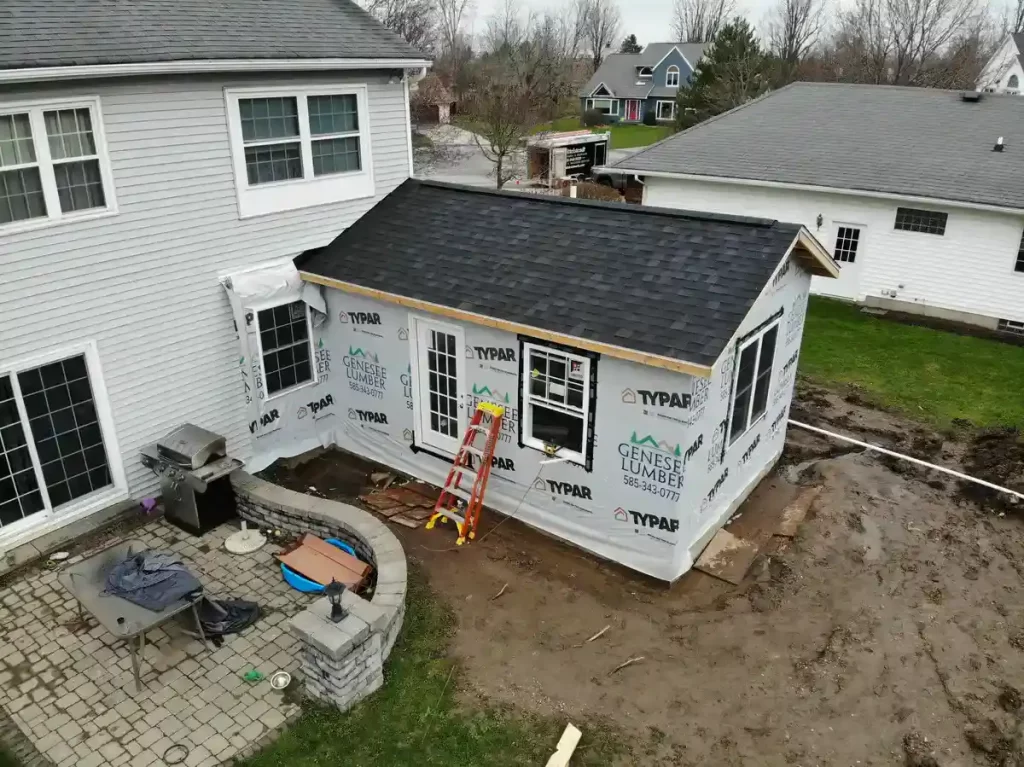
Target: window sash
[(921, 221), (672, 77), (1019, 265), (671, 110), (264, 350), (612, 105), (751, 393), (531, 399)]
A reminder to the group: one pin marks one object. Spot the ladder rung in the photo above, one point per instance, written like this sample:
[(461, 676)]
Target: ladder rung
[(473, 451), (466, 471), (458, 492), (479, 427), (453, 516)]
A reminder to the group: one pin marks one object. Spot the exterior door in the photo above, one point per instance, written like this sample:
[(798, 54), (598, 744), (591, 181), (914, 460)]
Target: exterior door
[(848, 241), (633, 109), (439, 404)]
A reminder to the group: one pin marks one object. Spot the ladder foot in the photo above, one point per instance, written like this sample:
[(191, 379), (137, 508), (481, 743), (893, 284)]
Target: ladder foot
[(472, 536), (460, 541), (430, 524)]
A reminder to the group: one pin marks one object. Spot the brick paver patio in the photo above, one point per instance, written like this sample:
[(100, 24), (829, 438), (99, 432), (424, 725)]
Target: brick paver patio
[(68, 684)]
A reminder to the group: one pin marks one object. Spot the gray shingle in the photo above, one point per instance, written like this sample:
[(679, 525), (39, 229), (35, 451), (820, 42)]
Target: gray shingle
[(664, 282), (51, 33), (618, 70), (912, 141)]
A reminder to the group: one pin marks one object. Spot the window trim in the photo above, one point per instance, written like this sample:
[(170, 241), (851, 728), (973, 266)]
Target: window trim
[(672, 70), (861, 228), (612, 102), (256, 308), (526, 439), (657, 110), (896, 219), (744, 343), (54, 215), (310, 190), (86, 504)]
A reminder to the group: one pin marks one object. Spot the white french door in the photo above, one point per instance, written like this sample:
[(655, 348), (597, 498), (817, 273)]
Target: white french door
[(439, 401), (848, 250)]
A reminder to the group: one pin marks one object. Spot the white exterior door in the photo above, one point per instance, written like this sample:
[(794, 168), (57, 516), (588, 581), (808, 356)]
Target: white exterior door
[(848, 241), (439, 401)]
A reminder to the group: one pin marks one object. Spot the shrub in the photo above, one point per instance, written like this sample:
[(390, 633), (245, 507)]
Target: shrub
[(650, 117), (592, 117), (588, 190)]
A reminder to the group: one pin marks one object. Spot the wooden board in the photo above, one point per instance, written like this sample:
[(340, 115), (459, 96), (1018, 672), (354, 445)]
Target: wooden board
[(380, 502), (428, 491), (321, 562), (727, 557), (795, 512), (408, 497), (404, 521)]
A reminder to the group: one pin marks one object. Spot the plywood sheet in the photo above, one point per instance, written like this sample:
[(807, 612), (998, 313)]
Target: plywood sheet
[(727, 557), (321, 562)]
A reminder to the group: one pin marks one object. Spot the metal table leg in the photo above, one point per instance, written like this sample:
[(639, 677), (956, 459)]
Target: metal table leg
[(135, 663), (199, 623)]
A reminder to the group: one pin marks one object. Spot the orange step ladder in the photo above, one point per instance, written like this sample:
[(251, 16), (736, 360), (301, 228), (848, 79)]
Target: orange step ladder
[(453, 496)]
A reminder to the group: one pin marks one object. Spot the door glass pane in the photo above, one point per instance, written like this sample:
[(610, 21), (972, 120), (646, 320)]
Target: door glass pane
[(442, 384), (19, 490), (66, 429)]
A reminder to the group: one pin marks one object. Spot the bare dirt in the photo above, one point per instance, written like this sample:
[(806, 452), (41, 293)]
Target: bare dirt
[(889, 631)]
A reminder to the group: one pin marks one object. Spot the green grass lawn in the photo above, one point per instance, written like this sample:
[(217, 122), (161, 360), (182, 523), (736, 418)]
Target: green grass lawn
[(931, 375), (415, 720), (623, 136)]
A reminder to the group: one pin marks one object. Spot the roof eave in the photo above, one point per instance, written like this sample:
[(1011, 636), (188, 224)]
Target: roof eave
[(611, 350), (203, 66), (813, 256)]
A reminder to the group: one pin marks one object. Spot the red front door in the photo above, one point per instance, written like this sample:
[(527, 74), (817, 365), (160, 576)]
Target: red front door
[(632, 109)]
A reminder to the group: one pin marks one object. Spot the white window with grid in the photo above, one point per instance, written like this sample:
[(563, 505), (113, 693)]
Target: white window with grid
[(297, 147), (666, 110), (53, 164), (753, 380), (286, 347), (847, 244), (672, 77), (556, 402)]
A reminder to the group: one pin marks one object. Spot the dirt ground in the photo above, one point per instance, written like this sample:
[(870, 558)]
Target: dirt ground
[(889, 631)]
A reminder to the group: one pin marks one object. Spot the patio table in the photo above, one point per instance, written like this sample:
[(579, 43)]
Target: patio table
[(87, 580)]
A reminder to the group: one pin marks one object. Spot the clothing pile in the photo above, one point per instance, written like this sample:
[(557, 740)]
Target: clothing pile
[(154, 580)]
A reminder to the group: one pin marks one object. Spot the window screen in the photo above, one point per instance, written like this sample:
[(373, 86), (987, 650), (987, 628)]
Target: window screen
[(21, 187), (915, 220), (19, 490), (753, 382), (65, 427), (76, 165), (284, 337), (556, 400), (270, 133), (334, 128)]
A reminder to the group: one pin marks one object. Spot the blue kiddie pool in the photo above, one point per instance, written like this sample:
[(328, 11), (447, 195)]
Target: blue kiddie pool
[(304, 584)]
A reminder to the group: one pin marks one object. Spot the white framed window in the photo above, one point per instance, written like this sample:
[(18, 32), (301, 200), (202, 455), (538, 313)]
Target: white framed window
[(57, 449), (604, 106), (285, 334), (297, 147), (665, 110), (847, 244), (1013, 83), (672, 77), (645, 72), (53, 163), (556, 401), (752, 380)]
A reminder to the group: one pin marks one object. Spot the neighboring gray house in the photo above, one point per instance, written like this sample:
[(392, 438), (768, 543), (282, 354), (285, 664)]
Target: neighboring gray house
[(629, 85), (147, 150)]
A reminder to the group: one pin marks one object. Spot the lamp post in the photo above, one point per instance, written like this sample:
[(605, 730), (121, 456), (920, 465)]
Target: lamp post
[(334, 590)]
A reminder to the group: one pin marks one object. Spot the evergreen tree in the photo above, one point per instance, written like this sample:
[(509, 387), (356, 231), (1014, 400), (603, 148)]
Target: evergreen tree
[(630, 45), (733, 71)]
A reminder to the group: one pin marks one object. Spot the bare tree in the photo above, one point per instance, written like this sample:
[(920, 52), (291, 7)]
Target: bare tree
[(602, 20), (923, 28), (1016, 19), (863, 44), (698, 21), (506, 28), (415, 20), (451, 15), (793, 27)]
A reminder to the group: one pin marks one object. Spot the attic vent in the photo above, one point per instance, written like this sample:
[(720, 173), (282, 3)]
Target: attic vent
[(971, 96), (999, 145)]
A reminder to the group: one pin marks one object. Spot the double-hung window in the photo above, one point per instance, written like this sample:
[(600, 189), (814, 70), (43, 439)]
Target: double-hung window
[(55, 443), (286, 350), (672, 77), (557, 401), (753, 380), (298, 147), (53, 163)]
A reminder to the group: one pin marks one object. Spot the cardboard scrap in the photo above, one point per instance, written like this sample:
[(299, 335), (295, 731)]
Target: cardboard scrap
[(727, 557), (796, 511), (321, 562), (408, 497)]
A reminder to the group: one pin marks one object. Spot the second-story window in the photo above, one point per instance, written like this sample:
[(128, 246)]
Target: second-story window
[(293, 148), (53, 164), (672, 77)]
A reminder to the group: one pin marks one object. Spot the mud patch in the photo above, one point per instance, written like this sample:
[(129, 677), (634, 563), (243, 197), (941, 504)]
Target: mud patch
[(995, 455)]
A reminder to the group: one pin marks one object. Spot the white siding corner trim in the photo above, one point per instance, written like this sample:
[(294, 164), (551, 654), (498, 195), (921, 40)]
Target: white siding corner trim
[(310, 190)]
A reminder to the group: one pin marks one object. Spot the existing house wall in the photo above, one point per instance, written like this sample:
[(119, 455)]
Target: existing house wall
[(969, 270), (1004, 64), (143, 284)]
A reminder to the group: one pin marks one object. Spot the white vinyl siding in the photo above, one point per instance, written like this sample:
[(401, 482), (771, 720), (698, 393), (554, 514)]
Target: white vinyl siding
[(144, 283)]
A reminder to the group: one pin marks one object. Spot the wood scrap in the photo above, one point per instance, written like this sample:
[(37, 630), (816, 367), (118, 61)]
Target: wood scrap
[(595, 636), (405, 521), (380, 502), (566, 747), (796, 511), (623, 665), (499, 593)]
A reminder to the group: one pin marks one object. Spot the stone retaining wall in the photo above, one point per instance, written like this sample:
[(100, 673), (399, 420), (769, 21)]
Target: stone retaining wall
[(341, 662)]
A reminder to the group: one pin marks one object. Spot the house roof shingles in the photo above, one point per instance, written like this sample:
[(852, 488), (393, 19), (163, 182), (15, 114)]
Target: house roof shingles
[(54, 33), (919, 142), (663, 282)]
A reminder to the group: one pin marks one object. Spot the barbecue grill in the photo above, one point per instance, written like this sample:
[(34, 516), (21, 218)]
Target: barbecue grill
[(193, 467)]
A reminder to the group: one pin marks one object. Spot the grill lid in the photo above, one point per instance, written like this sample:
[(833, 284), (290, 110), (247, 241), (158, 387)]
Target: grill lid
[(191, 446)]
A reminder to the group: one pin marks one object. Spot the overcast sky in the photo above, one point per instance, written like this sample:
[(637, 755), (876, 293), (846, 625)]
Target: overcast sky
[(649, 20)]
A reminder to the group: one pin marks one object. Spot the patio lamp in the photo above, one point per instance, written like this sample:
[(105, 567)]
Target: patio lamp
[(334, 590)]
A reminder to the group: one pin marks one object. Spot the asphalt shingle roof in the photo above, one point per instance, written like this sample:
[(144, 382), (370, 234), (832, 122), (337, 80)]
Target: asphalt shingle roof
[(618, 70), (50, 33), (665, 282), (910, 141)]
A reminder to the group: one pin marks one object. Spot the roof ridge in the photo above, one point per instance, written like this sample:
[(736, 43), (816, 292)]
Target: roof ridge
[(649, 210)]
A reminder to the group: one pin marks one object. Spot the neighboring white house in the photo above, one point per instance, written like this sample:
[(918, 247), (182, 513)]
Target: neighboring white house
[(910, 188), (1004, 73), (144, 155)]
